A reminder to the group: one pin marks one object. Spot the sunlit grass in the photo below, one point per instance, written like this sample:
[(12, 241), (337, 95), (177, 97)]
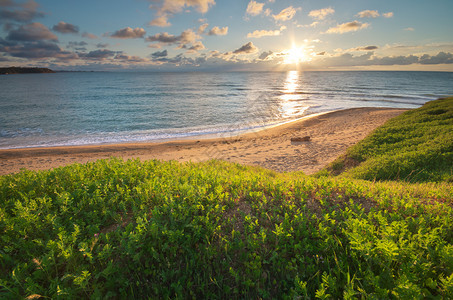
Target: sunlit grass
[(132, 229), (417, 146), (114, 229)]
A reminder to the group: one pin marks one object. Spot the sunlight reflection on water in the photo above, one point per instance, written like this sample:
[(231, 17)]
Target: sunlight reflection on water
[(291, 106), (113, 107)]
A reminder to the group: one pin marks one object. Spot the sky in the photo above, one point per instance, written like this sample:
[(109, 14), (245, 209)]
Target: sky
[(227, 35)]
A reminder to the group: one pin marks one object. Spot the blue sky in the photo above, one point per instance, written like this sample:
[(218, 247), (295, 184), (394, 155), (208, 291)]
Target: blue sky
[(227, 35)]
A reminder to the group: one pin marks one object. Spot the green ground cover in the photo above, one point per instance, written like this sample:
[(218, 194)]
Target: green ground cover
[(162, 229), (131, 229), (415, 146)]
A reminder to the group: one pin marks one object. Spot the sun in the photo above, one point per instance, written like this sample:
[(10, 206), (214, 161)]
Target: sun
[(296, 55)]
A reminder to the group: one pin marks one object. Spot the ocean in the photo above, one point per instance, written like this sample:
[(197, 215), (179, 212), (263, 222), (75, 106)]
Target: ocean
[(81, 108)]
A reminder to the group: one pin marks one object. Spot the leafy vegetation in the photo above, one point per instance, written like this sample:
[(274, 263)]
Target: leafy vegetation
[(417, 146), (132, 229), (115, 229)]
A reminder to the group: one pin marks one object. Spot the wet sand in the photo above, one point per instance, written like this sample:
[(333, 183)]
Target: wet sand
[(330, 135)]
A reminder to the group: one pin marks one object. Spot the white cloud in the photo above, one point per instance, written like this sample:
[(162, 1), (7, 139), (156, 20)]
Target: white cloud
[(197, 46), (161, 21), (409, 29), (254, 8), (368, 14), (246, 49), (314, 24), (347, 27), (261, 33), (176, 6), (368, 59), (187, 37), (388, 15), (218, 31), (286, 14), (321, 14), (129, 33), (202, 28), (167, 8)]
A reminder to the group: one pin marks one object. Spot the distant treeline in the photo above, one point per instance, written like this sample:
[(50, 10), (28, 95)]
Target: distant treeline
[(20, 70)]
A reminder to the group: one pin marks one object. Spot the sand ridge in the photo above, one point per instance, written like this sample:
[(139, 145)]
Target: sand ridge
[(330, 135)]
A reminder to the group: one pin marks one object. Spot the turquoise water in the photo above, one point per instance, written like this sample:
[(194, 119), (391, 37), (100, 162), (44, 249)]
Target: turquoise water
[(96, 108)]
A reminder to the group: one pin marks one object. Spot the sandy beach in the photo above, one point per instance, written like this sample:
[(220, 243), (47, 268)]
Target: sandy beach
[(330, 135)]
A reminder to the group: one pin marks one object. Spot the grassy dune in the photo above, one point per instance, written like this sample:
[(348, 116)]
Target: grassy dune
[(415, 146), (115, 229)]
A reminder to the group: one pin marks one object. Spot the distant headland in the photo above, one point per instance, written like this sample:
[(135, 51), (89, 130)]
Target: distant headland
[(20, 70)]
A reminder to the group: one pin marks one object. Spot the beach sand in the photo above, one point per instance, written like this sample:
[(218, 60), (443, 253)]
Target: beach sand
[(330, 135)]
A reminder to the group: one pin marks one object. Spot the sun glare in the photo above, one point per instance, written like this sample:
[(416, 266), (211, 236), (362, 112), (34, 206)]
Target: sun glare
[(296, 55)]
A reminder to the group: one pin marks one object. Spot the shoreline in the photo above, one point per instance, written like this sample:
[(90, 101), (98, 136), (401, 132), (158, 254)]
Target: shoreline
[(331, 133)]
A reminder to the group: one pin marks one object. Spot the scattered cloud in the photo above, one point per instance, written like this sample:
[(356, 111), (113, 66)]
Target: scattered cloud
[(265, 55), (246, 49), (167, 8), (286, 14), (254, 8), (367, 48), (179, 60), (347, 27), (440, 58), (313, 24), (185, 38), (218, 31), (21, 12), (35, 50), (197, 46), (32, 32), (161, 21), (101, 45), (261, 33), (164, 37), (63, 27), (321, 14), (89, 36), (160, 53), (98, 54), (409, 29), (129, 58), (368, 59), (368, 14), (129, 33), (202, 28), (364, 48), (388, 15), (76, 45)]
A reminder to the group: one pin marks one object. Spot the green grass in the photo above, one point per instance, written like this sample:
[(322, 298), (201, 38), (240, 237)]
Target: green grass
[(117, 229), (416, 146), (114, 229)]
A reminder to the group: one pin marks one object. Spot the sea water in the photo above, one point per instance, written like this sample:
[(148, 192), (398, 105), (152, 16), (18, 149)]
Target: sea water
[(80, 108)]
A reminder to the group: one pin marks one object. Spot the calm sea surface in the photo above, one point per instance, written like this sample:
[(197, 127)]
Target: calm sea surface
[(95, 108)]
